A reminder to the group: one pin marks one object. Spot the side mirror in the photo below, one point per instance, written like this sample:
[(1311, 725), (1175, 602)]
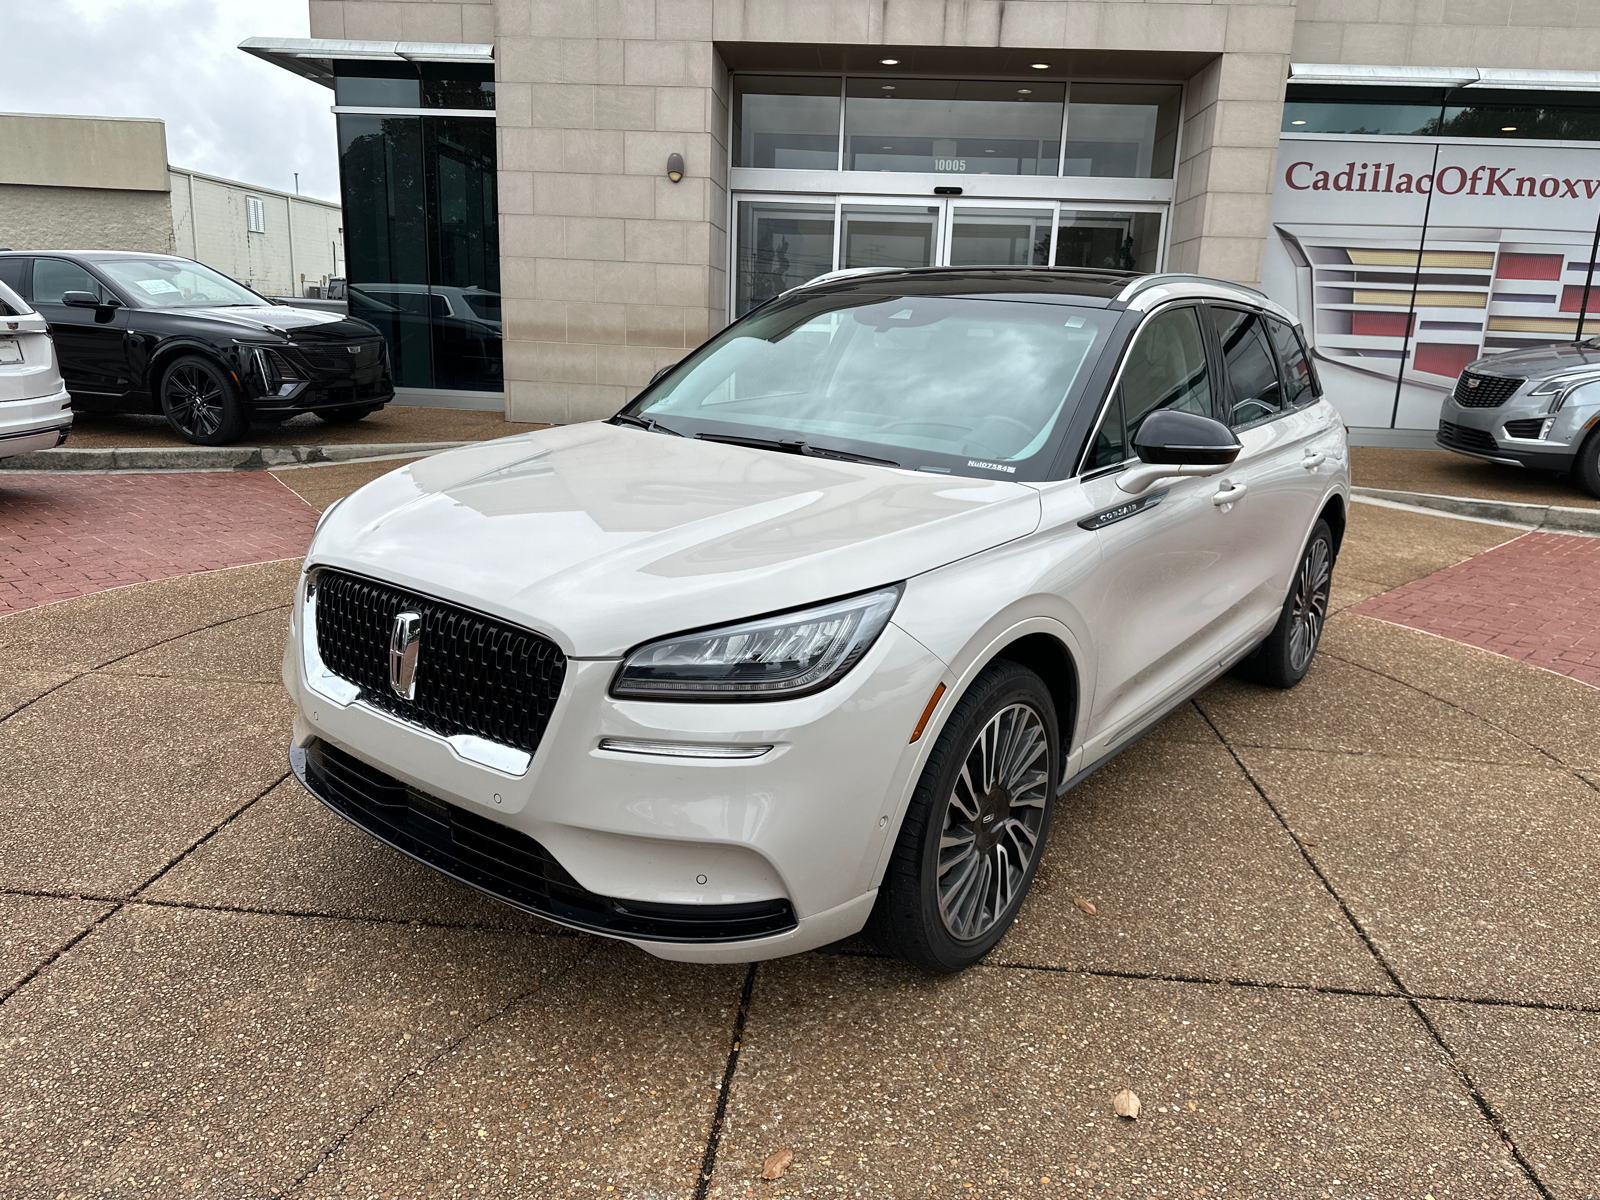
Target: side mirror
[(87, 300), (656, 378), (1171, 443)]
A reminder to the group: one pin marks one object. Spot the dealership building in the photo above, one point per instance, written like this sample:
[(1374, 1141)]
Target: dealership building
[(605, 183)]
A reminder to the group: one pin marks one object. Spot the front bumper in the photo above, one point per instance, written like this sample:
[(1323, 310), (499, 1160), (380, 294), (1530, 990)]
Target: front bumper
[(1492, 433), (800, 829), (37, 424)]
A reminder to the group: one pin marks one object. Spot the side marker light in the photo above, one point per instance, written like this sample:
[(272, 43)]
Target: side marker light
[(933, 702)]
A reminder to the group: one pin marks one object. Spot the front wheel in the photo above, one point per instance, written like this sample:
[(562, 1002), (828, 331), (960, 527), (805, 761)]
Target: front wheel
[(972, 836), (1586, 469), (1284, 658), (201, 402)]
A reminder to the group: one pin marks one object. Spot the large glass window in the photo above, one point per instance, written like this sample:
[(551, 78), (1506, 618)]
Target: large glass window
[(945, 383), (377, 85), (422, 245), (1121, 241), (781, 245), (999, 237), (1122, 129), (791, 123), (1433, 112), (963, 127), (879, 235)]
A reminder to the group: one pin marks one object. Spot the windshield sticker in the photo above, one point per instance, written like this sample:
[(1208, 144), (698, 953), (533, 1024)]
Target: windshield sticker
[(155, 287), (972, 462)]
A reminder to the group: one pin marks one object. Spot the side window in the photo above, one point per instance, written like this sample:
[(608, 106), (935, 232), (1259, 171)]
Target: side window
[(12, 273), (53, 276), (1292, 364), (1165, 368), (1252, 367)]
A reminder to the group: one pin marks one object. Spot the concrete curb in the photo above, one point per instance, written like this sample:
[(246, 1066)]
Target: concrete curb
[(213, 458), (1551, 517)]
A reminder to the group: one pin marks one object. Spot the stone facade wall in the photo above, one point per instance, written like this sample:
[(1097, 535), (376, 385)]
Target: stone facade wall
[(1550, 35), (469, 21), (79, 218)]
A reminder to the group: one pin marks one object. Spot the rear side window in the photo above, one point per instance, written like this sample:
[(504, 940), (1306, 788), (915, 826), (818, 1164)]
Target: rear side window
[(1298, 383), (1252, 367), (12, 273), (1165, 368), (54, 276)]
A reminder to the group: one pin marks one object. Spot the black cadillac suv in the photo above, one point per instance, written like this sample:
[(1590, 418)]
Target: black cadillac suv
[(153, 333)]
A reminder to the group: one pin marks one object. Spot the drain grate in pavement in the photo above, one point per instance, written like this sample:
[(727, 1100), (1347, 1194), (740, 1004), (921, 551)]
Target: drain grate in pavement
[(64, 536), (1535, 598)]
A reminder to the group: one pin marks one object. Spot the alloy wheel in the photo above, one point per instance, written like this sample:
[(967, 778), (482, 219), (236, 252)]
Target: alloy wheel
[(194, 400), (1309, 610), (992, 822)]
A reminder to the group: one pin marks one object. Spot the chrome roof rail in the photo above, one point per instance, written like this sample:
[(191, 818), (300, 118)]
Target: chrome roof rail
[(845, 273)]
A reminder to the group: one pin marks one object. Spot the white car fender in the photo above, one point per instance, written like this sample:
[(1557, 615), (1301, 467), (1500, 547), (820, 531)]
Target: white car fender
[(958, 677)]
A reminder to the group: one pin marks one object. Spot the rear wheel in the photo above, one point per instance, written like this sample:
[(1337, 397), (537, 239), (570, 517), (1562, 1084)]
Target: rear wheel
[(201, 403), (343, 416), (970, 843), (1586, 469), (1284, 658)]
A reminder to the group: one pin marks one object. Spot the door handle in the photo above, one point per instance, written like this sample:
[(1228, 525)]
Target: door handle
[(1229, 494), (1313, 459)]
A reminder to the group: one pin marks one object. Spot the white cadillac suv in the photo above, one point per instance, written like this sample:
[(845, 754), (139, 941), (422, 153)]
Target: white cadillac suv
[(35, 410), (810, 637)]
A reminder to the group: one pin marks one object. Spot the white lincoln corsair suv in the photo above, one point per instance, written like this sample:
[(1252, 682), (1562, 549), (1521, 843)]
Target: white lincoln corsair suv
[(811, 637)]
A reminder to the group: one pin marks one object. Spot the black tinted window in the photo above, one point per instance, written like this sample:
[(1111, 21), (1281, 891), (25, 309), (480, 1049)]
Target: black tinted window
[(1292, 364), (53, 276), (1165, 368), (12, 273), (1251, 369)]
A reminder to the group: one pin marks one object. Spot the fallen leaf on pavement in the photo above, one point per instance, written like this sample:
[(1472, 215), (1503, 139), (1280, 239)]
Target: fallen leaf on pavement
[(1084, 904), (1126, 1104), (1304, 841), (777, 1163)]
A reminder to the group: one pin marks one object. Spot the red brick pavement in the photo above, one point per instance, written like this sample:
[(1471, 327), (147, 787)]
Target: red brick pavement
[(67, 535), (1535, 598)]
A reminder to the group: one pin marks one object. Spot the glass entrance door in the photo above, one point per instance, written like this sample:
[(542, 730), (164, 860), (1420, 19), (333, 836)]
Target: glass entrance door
[(781, 242)]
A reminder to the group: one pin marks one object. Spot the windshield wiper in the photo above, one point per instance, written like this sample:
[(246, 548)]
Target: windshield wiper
[(805, 448), (650, 423)]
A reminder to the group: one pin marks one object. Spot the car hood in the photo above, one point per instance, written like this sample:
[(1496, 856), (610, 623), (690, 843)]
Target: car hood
[(603, 537), (1539, 361), (300, 323)]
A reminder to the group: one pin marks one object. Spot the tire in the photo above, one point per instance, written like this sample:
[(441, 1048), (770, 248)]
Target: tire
[(201, 403), (1284, 658), (1586, 467), (1007, 709), (342, 416)]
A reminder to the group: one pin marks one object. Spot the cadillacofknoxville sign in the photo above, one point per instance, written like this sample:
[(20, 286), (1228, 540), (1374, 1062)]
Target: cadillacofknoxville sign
[(1481, 180)]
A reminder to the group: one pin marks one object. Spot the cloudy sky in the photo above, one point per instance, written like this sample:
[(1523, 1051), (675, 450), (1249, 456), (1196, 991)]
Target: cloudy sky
[(227, 112)]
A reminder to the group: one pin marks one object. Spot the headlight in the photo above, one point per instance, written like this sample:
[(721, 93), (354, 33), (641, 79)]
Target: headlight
[(1563, 386), (770, 658)]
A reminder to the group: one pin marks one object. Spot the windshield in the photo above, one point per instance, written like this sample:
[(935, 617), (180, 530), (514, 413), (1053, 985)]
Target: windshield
[(176, 283), (957, 384)]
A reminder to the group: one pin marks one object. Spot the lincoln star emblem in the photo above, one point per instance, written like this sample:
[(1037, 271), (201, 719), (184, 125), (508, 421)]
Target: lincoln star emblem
[(404, 644)]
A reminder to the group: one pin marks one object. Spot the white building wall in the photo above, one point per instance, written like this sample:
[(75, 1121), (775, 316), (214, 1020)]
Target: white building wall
[(210, 220)]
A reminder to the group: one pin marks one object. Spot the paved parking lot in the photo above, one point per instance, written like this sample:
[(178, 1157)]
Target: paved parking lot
[(1345, 945)]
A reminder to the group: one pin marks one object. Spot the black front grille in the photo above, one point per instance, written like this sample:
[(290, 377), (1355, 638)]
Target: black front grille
[(1459, 437), (509, 864), (1484, 391), (338, 359), (474, 674), (1525, 429)]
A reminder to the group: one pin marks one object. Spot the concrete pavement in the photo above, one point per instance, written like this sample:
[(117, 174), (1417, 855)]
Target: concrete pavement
[(1343, 947)]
